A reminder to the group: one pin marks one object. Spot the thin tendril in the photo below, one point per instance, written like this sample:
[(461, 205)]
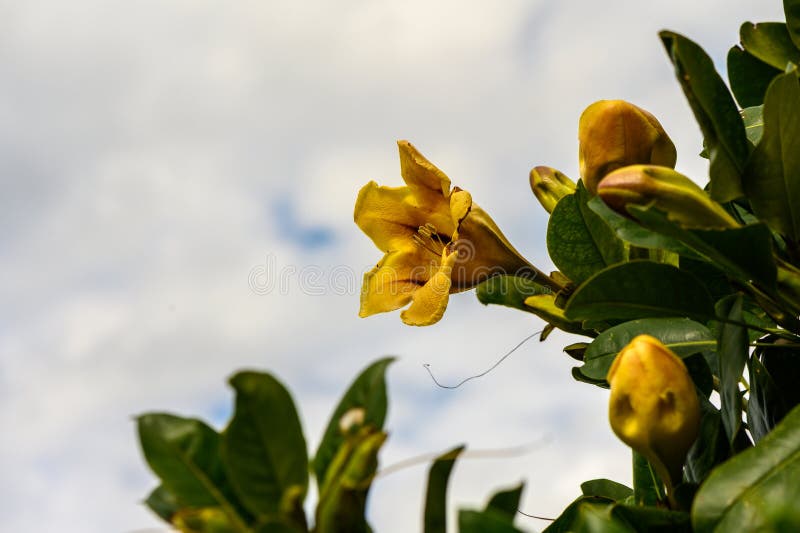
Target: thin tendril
[(536, 517), (476, 376)]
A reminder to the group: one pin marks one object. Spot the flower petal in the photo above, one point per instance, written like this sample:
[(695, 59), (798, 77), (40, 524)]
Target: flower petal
[(419, 173), (429, 301), (389, 285)]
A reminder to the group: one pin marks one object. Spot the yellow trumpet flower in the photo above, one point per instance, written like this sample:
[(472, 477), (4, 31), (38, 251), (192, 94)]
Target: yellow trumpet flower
[(436, 242), (616, 133), (653, 406)]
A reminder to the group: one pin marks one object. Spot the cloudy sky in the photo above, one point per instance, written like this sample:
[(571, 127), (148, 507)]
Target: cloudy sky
[(155, 154)]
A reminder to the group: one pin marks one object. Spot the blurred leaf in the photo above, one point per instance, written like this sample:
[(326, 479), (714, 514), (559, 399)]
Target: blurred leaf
[(753, 118), (368, 392), (716, 113), (749, 77), (491, 521), (205, 520), (792, 10), (640, 289), (652, 519), (698, 367), (764, 402), (711, 447), (184, 454), (263, 448), (646, 483), (605, 488), (732, 355), (631, 231), (757, 490), (770, 42), (435, 520), (772, 182), (588, 514), (163, 503), (774, 372), (742, 253), (509, 291), (343, 497), (681, 335), (506, 502), (578, 241)]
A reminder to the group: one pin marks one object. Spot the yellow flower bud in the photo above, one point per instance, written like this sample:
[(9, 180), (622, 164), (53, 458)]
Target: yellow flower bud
[(614, 134), (549, 185), (653, 406), (679, 197)]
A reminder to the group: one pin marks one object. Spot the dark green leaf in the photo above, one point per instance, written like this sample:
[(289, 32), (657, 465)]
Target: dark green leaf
[(506, 502), (732, 355), (184, 454), (683, 336), (588, 514), (753, 118), (510, 291), (792, 10), (605, 488), (700, 372), (646, 483), (578, 241), (484, 522), (631, 231), (764, 402), (367, 392), (770, 42), (652, 519), (772, 182), (774, 375), (758, 489), (436, 497), (749, 77), (163, 503), (711, 447), (716, 113), (263, 447), (640, 289), (742, 253)]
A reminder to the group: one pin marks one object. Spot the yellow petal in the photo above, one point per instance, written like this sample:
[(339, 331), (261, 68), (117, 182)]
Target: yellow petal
[(419, 173), (389, 285), (429, 301), (460, 205)]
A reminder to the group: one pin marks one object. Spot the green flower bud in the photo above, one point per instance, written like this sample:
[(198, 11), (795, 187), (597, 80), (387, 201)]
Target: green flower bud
[(614, 134), (679, 197), (653, 406), (549, 185)]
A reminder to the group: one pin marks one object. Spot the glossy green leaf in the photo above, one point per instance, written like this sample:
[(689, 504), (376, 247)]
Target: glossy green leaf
[(770, 42), (640, 289), (772, 182), (716, 113), (652, 519), (791, 9), (588, 514), (711, 447), (263, 447), (605, 488), (683, 336), (631, 231), (646, 483), (764, 402), (749, 77), (742, 253), (509, 291), (732, 355), (367, 392), (184, 454), (753, 118), (758, 489), (774, 372), (435, 520), (578, 241)]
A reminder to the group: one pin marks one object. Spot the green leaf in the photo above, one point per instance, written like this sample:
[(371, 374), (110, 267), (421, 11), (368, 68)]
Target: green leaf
[(184, 454), (646, 483), (764, 402), (774, 372), (605, 488), (772, 182), (163, 503), (470, 521), (681, 335), (792, 10), (711, 447), (263, 447), (640, 289), (435, 520), (716, 113), (743, 253), (749, 77), (506, 502), (757, 490), (652, 519), (630, 231), (770, 42), (509, 291), (367, 392), (732, 355), (588, 514), (578, 241), (753, 118)]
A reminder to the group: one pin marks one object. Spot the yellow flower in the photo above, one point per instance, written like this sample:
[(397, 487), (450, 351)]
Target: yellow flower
[(549, 185), (614, 134), (653, 406), (436, 242)]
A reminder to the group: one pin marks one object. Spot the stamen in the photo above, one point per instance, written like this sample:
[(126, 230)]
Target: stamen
[(428, 238)]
